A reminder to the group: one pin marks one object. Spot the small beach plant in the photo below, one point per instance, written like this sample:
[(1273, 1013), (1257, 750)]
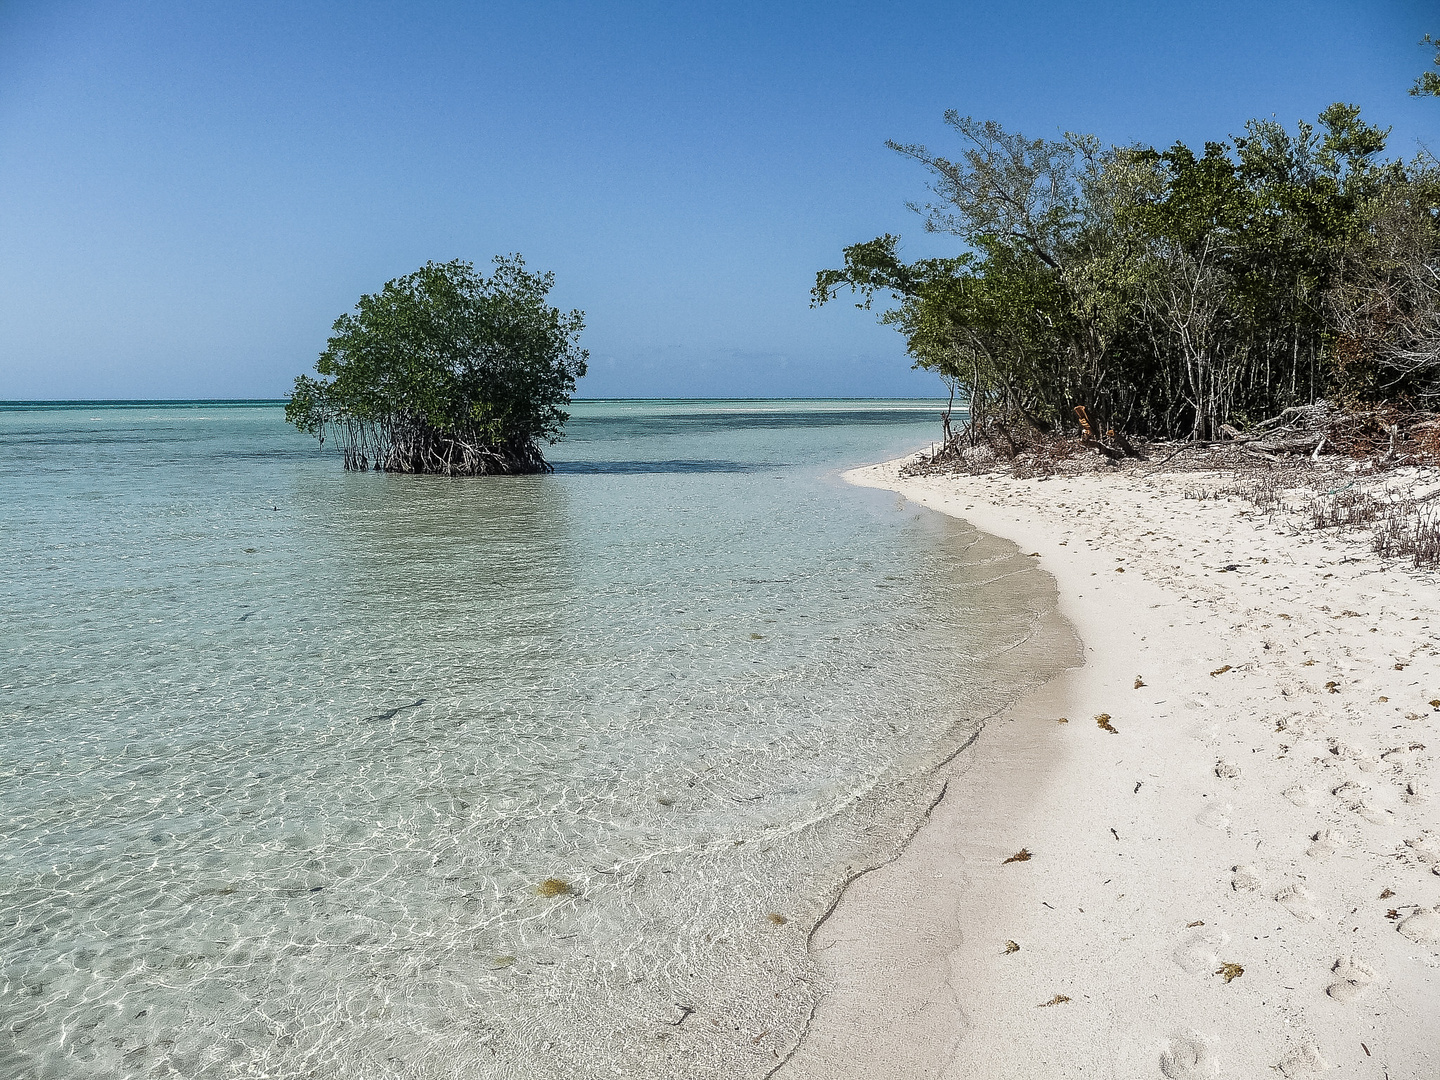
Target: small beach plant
[(446, 371)]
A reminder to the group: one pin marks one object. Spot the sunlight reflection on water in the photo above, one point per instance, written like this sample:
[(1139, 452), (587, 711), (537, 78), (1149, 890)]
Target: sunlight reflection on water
[(288, 751)]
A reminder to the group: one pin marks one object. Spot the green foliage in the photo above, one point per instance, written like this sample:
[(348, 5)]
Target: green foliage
[(1428, 84), (446, 370), (1169, 292)]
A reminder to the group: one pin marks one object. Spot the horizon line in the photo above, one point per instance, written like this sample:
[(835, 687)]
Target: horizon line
[(139, 402)]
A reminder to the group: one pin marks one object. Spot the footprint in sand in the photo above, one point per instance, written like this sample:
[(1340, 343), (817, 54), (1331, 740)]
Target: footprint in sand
[(1423, 927), (1303, 1061), (1372, 815), (1227, 770), (1348, 790), (1244, 878), (1199, 950), (1425, 848), (1292, 725), (1415, 791), (1215, 817), (1352, 978), (1300, 795), (1188, 1056), (1343, 749), (1299, 901), (1325, 843), (1398, 757)]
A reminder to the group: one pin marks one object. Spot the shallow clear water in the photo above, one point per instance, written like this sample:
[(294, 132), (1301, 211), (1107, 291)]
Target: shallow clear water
[(287, 751)]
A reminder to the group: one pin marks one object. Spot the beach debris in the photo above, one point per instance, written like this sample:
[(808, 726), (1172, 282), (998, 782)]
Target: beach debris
[(554, 886), (1119, 569), (757, 637), (1220, 671), (665, 800), (250, 551), (502, 962), (776, 918), (1138, 785), (1058, 999), (1113, 833), (1333, 687), (1139, 682), (1386, 893), (1399, 667), (1197, 922), (1226, 770), (1033, 555), (1435, 704), (1023, 855), (390, 714), (685, 1012), (1230, 971), (1103, 722), (1063, 720), (1011, 947)]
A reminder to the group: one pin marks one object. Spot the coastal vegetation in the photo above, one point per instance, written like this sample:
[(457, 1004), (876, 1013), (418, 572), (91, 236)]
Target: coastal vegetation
[(1199, 294), (446, 371)]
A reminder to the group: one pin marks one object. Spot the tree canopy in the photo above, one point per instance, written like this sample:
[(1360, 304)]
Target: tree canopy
[(1428, 84), (1169, 292), (447, 371)]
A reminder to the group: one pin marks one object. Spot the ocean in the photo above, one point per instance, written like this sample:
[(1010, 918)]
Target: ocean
[(308, 773)]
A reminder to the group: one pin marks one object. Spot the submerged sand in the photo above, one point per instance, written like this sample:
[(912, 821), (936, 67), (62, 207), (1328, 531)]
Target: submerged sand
[(1236, 873)]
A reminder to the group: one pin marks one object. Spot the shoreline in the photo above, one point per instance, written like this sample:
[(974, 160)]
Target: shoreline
[(1237, 878)]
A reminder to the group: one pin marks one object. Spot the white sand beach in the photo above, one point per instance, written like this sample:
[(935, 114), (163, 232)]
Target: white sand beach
[(1235, 874)]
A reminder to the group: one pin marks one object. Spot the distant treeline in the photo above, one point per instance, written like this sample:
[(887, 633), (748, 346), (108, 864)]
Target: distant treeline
[(1170, 292)]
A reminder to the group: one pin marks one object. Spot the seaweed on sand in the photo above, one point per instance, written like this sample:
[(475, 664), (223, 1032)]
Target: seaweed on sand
[(554, 886)]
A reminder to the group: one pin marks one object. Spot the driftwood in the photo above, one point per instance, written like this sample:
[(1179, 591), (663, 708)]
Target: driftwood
[(1382, 436), (1282, 434), (1307, 445), (1089, 438), (1119, 439)]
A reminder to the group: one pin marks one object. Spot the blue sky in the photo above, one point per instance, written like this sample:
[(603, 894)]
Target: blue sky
[(190, 193)]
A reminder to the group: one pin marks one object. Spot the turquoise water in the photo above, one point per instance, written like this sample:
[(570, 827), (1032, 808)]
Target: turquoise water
[(287, 751)]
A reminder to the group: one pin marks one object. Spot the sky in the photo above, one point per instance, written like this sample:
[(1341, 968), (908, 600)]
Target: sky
[(191, 193)]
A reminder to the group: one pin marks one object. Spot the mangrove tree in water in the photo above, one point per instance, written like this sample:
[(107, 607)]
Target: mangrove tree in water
[(446, 371)]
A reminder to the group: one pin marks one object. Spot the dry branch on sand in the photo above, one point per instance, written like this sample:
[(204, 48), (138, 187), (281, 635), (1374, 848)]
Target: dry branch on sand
[(1378, 439), (1346, 468)]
